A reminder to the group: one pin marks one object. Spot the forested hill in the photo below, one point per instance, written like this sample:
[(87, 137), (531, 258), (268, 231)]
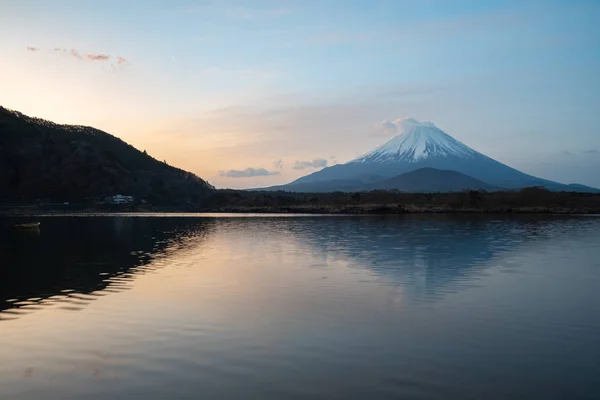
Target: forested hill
[(44, 161)]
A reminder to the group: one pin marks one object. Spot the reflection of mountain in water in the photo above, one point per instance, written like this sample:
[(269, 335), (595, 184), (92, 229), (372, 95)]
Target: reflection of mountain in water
[(428, 255), (75, 259)]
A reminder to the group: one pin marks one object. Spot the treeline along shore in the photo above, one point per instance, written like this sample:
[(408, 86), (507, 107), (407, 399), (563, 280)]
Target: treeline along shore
[(529, 200)]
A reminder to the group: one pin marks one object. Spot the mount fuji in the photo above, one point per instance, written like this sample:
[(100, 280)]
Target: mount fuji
[(418, 145)]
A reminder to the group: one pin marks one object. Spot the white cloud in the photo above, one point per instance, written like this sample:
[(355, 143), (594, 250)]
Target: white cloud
[(399, 126), (316, 163), (386, 128), (247, 173)]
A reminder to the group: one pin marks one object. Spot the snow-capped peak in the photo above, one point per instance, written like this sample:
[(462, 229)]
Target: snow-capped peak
[(418, 140)]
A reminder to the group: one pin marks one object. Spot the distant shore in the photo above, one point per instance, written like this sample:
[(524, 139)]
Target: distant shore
[(399, 209), (366, 209), (525, 201)]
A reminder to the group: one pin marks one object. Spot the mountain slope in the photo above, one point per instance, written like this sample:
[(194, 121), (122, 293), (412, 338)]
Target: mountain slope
[(425, 180), (420, 145), (41, 160)]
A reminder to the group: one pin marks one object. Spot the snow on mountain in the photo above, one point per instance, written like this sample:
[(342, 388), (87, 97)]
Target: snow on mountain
[(417, 141)]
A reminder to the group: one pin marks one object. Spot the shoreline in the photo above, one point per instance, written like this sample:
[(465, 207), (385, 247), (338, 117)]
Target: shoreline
[(370, 209)]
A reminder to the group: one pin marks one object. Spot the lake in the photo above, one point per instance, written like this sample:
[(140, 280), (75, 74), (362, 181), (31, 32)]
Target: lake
[(299, 307)]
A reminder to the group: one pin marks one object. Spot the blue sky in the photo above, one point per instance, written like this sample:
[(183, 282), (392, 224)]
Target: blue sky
[(266, 86)]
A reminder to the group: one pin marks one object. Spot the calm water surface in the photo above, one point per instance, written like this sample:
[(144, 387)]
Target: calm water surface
[(300, 307)]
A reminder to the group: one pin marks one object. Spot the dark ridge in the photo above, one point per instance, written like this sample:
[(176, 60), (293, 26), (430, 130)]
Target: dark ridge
[(44, 161), (427, 180)]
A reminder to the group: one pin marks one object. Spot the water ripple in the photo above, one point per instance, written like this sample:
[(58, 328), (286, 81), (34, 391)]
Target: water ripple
[(365, 307)]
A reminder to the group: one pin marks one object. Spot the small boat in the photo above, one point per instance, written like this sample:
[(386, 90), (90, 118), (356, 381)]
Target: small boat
[(30, 225)]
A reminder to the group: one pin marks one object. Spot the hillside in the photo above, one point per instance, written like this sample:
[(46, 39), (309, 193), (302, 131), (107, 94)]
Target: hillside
[(44, 161), (427, 180)]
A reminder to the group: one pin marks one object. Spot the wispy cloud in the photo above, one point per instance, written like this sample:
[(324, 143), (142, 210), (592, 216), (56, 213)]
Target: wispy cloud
[(335, 38), (278, 12), (430, 29), (76, 54), (83, 56), (238, 12), (278, 164), (97, 57), (591, 151), (253, 73), (316, 163), (247, 173), (293, 123), (90, 56), (398, 126), (385, 128)]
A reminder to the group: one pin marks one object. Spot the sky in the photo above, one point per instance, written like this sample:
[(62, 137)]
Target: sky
[(258, 93)]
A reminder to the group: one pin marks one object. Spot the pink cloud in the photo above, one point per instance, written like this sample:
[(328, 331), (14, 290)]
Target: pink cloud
[(97, 57), (87, 56)]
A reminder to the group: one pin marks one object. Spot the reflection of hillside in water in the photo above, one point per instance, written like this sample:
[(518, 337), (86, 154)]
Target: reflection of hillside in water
[(73, 260), (427, 255)]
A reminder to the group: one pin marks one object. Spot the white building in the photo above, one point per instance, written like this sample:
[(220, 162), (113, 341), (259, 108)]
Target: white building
[(120, 199)]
